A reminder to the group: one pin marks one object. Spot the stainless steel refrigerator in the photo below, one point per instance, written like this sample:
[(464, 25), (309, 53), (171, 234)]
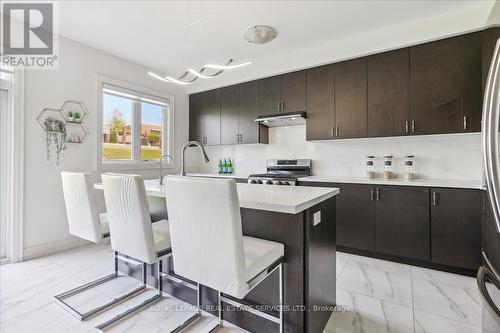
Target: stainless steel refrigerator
[(488, 275)]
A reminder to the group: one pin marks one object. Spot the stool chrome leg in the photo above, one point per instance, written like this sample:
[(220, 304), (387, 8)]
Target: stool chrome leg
[(59, 299), (150, 300), (219, 321), (194, 317)]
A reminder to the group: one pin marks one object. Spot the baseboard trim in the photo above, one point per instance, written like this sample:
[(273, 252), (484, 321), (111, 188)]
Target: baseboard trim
[(409, 261), (52, 247)]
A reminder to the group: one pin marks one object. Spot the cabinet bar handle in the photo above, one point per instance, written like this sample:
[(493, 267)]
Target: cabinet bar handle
[(435, 199), (241, 138), (465, 122), (371, 194), (279, 105), (282, 105), (337, 131), (407, 126), (237, 138), (377, 194), (413, 126), (332, 132)]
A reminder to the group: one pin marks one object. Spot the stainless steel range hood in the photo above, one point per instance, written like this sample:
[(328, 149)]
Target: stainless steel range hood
[(282, 119)]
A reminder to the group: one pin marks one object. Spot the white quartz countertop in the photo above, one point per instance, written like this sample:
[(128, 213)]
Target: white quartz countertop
[(459, 183), (282, 199), (469, 184)]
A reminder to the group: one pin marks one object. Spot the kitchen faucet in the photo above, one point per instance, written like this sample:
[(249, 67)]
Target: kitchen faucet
[(192, 144), (161, 166)]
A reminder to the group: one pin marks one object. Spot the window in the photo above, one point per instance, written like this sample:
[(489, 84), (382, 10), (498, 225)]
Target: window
[(136, 127)]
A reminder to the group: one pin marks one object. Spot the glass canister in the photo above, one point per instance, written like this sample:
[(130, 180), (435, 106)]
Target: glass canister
[(370, 168), (388, 168), (409, 173)]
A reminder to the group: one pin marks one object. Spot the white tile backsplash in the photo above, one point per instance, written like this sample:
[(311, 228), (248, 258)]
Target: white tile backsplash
[(455, 156)]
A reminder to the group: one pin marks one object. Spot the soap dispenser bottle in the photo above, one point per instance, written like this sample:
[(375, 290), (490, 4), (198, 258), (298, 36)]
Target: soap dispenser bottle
[(229, 166)]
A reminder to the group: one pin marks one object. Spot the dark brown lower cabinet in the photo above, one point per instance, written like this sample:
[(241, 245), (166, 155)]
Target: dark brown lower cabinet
[(456, 218), (440, 227), (356, 217), (402, 221)]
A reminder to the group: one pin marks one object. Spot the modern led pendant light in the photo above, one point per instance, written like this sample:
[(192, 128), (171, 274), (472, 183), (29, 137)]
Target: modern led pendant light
[(191, 75), (257, 34)]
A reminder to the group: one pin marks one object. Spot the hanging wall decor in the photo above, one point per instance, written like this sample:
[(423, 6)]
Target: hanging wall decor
[(63, 126)]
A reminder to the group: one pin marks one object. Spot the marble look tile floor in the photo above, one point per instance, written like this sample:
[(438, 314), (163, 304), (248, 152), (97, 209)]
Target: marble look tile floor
[(375, 295)]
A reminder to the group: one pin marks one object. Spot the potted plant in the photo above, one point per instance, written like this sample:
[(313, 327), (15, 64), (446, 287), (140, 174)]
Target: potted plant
[(70, 116), (77, 117)]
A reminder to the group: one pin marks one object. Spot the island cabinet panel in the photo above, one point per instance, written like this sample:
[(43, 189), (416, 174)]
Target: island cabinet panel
[(229, 115), (248, 106), (456, 216), (270, 95), (293, 92), (320, 104), (435, 87), (350, 99), (471, 80), (402, 221), (356, 216), (388, 77), (320, 263)]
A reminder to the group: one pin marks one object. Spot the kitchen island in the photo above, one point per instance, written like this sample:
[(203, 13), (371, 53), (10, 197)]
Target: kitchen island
[(303, 219)]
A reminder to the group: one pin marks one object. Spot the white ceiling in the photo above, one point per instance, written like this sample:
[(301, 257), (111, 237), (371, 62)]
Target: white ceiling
[(170, 36)]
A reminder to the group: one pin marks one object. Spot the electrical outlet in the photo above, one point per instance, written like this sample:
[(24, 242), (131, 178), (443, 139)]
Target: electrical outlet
[(317, 218)]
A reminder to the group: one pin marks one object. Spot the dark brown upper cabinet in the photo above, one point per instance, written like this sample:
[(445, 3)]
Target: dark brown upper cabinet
[(229, 115), (249, 130), (270, 95), (293, 92), (239, 108), (435, 88), (388, 77), (204, 117), (320, 103), (350, 99), (471, 80), (283, 93), (489, 38), (196, 118)]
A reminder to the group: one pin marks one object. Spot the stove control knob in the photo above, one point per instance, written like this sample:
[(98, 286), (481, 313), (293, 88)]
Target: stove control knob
[(280, 182), (259, 182), (269, 182), (253, 181)]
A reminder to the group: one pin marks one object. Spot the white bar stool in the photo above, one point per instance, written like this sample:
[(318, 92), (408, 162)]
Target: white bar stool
[(208, 245), (84, 221), (133, 234)]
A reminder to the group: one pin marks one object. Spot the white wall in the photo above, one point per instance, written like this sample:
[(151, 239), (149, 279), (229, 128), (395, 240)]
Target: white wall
[(45, 226), (456, 156)]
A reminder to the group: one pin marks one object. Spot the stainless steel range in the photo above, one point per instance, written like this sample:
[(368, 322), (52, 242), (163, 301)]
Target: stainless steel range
[(282, 172)]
